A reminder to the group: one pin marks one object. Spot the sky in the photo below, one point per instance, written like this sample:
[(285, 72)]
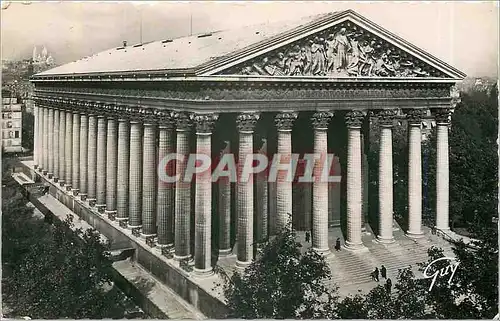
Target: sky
[(463, 34)]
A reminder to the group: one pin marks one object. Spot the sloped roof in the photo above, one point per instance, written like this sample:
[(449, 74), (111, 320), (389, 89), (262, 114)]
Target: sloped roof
[(180, 53), (210, 53)]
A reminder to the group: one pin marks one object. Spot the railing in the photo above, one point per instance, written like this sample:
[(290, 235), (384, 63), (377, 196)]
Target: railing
[(454, 238)]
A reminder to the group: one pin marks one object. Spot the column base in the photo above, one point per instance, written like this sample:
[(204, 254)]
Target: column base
[(61, 182), (354, 246), (415, 235), (181, 257), (144, 236), (203, 273), (75, 191), (225, 252), (241, 266), (100, 208), (44, 172), (56, 179), (91, 202), (382, 240), (50, 175), (35, 166), (166, 246), (68, 187), (83, 197), (324, 252), (444, 229)]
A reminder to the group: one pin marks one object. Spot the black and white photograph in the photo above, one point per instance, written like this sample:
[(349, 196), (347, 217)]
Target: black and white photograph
[(249, 160)]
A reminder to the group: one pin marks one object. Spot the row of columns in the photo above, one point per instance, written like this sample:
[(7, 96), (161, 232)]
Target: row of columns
[(109, 155)]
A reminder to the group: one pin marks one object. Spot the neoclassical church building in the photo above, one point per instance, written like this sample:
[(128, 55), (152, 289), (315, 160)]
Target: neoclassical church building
[(314, 85)]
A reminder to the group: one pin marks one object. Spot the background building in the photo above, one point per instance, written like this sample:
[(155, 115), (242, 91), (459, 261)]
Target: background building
[(11, 123)]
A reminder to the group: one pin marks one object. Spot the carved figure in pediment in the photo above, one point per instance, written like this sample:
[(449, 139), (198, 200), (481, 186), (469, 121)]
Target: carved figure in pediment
[(341, 46), (419, 72), (353, 67), (330, 52), (250, 71), (367, 58), (318, 57), (268, 68), (306, 56), (281, 65), (295, 63)]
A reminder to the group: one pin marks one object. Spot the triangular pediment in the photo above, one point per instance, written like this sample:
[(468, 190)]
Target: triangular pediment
[(343, 45)]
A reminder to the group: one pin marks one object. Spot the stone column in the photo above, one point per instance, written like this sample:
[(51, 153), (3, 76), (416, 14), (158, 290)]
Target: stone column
[(165, 199), (261, 203), (224, 210), (36, 146), (76, 153), (284, 123), (84, 143), (45, 140), (354, 207), (203, 198), (123, 168), (55, 146), (135, 174), (62, 146), (320, 122), (149, 175), (442, 169), (68, 149), (101, 162), (244, 187), (415, 173), (50, 172), (111, 163), (385, 177), (92, 159), (182, 189)]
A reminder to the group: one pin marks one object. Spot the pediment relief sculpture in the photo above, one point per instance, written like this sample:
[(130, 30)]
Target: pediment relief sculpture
[(344, 50)]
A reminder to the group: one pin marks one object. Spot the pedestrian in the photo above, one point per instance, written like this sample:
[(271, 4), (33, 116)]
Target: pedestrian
[(388, 285), (383, 272), (375, 274), (308, 236), (337, 244)]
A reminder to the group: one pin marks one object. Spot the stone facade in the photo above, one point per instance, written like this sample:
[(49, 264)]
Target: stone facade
[(106, 141)]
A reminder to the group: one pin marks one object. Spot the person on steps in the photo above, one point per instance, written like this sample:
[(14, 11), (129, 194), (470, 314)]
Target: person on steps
[(375, 274), (388, 285), (337, 244), (383, 272)]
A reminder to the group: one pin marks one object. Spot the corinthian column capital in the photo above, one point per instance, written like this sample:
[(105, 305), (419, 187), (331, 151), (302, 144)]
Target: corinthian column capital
[(148, 116), (354, 118), (284, 121), (246, 122), (415, 116), (204, 122), (442, 115), (386, 117), (321, 119), (165, 119), (182, 120)]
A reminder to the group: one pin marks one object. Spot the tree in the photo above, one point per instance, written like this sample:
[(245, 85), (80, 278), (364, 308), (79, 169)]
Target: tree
[(53, 271), (281, 283)]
